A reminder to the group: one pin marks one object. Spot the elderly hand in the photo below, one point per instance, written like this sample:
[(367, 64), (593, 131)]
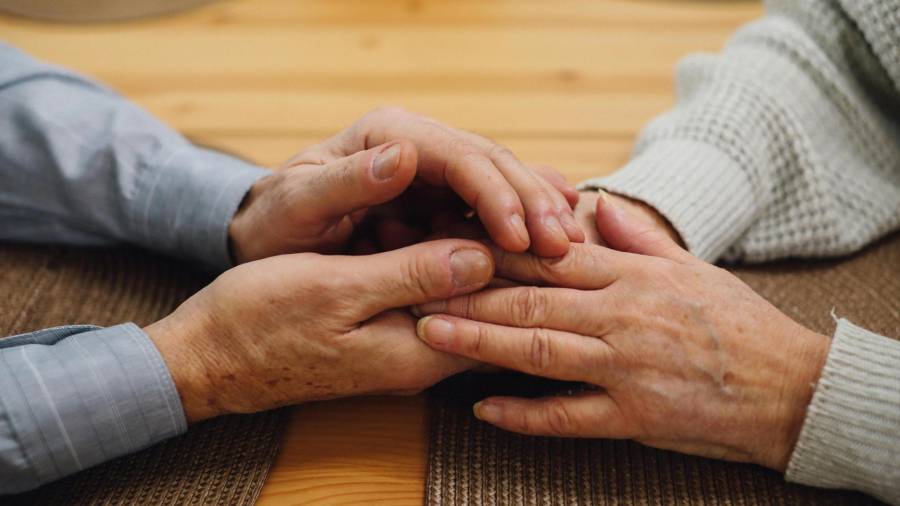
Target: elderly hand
[(303, 327), (316, 201), (585, 213), (683, 354)]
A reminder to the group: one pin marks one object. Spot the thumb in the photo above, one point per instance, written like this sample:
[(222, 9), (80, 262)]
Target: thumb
[(424, 272), (625, 232), (361, 180)]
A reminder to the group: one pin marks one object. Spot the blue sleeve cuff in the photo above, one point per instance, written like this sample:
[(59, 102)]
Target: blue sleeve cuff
[(184, 207), (74, 397)]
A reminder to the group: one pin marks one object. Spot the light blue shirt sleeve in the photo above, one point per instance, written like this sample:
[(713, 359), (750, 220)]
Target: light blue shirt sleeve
[(81, 165), (74, 397)]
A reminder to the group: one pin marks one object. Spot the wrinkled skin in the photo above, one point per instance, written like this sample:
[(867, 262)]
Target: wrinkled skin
[(413, 171), (684, 355), (303, 327)]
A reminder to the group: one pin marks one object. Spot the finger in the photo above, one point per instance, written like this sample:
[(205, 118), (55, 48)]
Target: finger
[(543, 225), (412, 275), (447, 158), (542, 352), (528, 307), (548, 236), (495, 200), (559, 182), (415, 366), (566, 215), (591, 414), (361, 180), (626, 233), (585, 267)]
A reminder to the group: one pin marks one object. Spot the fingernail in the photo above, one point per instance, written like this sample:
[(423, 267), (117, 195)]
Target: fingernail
[(421, 310), (470, 267), (604, 197), (518, 226), (485, 411), (435, 331), (387, 162)]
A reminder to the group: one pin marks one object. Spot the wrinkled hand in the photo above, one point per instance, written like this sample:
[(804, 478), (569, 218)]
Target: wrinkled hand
[(317, 200), (585, 213), (684, 355), (304, 327)]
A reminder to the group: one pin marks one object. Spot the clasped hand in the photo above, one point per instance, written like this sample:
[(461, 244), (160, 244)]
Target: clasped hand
[(289, 325), (683, 355)]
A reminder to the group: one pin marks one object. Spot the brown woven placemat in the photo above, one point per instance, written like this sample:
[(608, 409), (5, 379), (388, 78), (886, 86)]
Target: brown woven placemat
[(224, 461), (472, 463)]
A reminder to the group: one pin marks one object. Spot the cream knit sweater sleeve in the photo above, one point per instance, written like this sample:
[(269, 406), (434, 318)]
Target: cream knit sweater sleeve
[(787, 143)]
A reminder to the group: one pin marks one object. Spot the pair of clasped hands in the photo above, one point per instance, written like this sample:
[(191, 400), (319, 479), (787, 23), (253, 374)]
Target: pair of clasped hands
[(402, 251)]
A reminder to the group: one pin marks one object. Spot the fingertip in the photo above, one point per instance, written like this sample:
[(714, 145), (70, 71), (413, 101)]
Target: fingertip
[(520, 231), (471, 268), (487, 410), (604, 212), (394, 163), (572, 196), (436, 332), (511, 236), (573, 230), (409, 157)]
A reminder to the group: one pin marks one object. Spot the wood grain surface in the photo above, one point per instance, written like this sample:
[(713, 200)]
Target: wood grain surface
[(568, 82)]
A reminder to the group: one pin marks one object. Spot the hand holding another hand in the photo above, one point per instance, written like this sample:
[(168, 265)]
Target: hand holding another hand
[(685, 356), (303, 327), (318, 199)]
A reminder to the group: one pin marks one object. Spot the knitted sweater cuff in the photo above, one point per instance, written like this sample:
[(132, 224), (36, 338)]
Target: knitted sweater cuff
[(849, 437), (698, 188)]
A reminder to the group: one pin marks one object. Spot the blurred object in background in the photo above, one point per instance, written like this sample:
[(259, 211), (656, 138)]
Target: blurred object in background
[(95, 10)]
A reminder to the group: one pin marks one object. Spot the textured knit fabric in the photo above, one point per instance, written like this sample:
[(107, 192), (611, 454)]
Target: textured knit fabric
[(847, 436), (81, 165), (787, 143)]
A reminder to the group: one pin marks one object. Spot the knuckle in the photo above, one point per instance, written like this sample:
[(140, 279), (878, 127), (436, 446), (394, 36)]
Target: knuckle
[(500, 152), (505, 200), (558, 267), (541, 204), (464, 150), (558, 418), (418, 276), (475, 345), (529, 306), (541, 353)]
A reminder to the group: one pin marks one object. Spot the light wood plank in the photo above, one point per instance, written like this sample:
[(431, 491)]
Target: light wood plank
[(381, 439), (577, 159)]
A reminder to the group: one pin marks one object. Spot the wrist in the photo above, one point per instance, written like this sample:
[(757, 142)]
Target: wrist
[(177, 344), (795, 394), (241, 228)]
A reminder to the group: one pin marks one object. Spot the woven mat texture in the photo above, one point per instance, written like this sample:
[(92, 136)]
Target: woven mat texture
[(472, 463), (224, 461)]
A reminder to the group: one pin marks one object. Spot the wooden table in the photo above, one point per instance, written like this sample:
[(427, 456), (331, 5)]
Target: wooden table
[(567, 82)]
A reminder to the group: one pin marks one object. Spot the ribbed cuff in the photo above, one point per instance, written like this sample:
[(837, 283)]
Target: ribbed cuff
[(82, 397), (700, 190), (184, 207), (851, 435)]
